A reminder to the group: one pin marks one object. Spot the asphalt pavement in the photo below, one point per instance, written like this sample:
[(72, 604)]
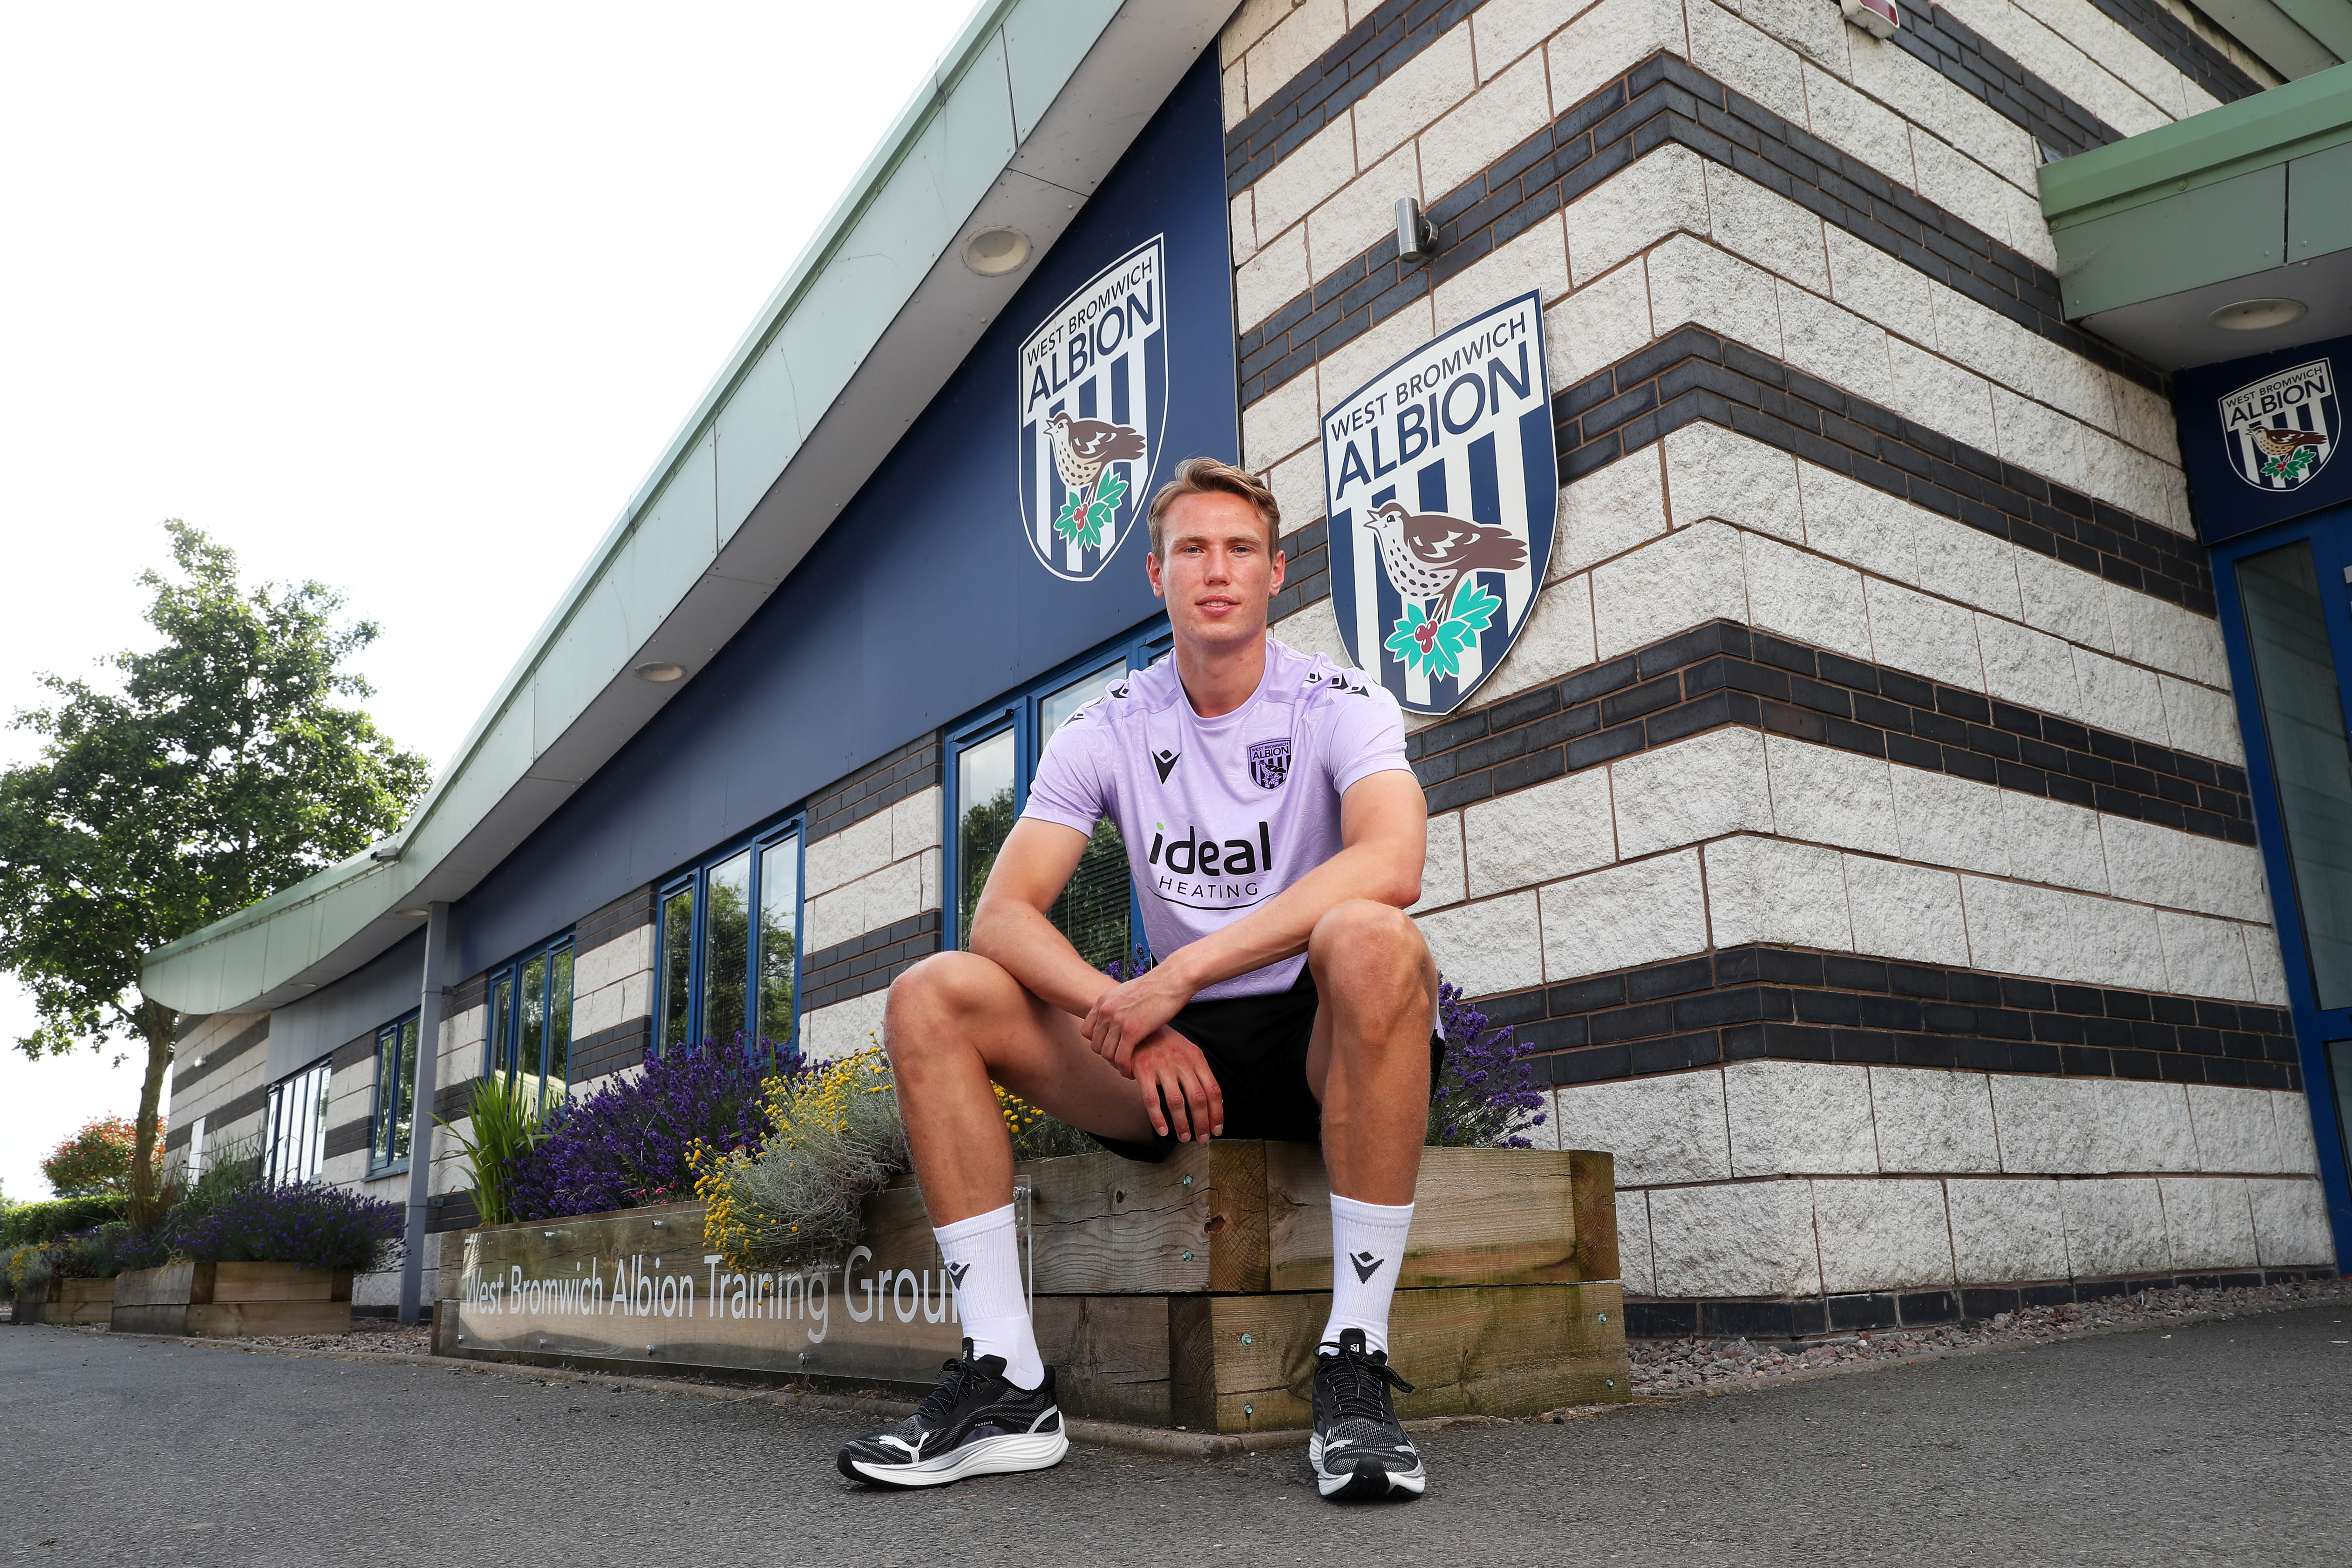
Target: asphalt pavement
[(2227, 1442)]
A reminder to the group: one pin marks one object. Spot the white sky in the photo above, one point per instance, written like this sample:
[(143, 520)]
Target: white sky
[(404, 301)]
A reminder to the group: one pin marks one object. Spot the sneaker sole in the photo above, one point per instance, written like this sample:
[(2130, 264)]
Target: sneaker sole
[(988, 1456), (1363, 1484)]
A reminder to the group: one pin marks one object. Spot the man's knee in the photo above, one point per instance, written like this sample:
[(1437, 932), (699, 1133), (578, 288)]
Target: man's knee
[(1371, 943), (937, 992)]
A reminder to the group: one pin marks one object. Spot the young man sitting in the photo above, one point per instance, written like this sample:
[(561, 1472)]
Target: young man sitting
[(1293, 999)]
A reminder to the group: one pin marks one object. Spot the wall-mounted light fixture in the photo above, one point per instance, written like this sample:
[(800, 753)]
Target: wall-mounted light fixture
[(1879, 18), (659, 671), (383, 852), (1416, 235), (2257, 315)]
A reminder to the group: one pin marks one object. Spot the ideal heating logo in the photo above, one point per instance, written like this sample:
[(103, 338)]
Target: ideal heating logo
[(1205, 872)]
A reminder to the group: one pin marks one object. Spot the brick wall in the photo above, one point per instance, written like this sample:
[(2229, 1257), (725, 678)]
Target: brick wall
[(872, 892)]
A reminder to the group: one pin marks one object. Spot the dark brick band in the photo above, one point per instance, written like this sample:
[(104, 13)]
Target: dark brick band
[(1367, 55), (1725, 674), (354, 1053), (1751, 1004), (185, 1075), (630, 911), (866, 964), (2181, 46), (878, 786), (351, 1138), (1950, 48), (452, 1211), (609, 1051)]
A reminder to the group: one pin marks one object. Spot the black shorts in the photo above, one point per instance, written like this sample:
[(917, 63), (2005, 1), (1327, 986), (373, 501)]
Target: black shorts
[(1256, 1045)]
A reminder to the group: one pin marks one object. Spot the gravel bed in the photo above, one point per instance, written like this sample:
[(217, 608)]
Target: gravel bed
[(1684, 1366)]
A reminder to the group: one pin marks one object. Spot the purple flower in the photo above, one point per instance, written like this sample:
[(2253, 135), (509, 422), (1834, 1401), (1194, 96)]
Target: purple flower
[(309, 1222), (1485, 1096)]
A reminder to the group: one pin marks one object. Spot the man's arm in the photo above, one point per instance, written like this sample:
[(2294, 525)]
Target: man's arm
[(1009, 928), (1384, 831)]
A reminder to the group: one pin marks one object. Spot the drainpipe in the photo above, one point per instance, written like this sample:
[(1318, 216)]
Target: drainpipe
[(421, 1121)]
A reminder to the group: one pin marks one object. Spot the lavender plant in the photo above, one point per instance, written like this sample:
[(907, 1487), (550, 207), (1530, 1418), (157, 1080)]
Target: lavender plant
[(1485, 1097), (307, 1222), (631, 1141)]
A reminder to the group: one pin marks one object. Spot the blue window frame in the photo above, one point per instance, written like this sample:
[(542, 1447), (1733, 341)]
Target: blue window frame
[(395, 1095), (991, 757), (729, 965), (529, 1039), (2286, 598)]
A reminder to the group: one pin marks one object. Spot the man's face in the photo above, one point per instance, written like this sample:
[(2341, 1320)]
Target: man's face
[(1218, 573)]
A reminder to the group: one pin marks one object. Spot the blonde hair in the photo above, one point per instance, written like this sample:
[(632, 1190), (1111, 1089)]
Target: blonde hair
[(1207, 476)]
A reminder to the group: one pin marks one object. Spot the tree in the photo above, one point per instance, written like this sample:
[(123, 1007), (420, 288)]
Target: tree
[(216, 769), (94, 1161)]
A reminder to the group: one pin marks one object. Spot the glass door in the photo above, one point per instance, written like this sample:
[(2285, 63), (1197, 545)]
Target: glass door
[(2286, 614)]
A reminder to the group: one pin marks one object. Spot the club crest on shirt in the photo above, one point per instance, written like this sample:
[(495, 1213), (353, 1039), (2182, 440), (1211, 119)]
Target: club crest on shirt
[(1270, 763), (1442, 485), (1092, 410)]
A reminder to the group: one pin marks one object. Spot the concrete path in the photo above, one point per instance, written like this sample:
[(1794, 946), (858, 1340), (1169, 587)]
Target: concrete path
[(2228, 1442)]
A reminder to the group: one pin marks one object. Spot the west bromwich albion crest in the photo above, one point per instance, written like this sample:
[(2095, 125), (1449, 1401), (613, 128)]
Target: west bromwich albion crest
[(1093, 405), (1441, 487), (2281, 430)]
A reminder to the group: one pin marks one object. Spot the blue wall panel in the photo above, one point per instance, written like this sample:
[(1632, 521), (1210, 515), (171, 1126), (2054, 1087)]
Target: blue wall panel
[(922, 600)]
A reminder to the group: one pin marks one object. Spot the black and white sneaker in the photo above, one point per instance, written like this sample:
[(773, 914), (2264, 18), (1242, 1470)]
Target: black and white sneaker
[(975, 1423), (1359, 1449)]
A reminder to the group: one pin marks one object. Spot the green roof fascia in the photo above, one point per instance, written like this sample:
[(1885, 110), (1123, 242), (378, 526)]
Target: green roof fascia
[(2256, 132), (1052, 49)]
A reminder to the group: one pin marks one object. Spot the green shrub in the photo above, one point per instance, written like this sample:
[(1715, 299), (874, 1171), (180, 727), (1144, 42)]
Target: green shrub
[(28, 1224), (232, 1169), (505, 1126), (93, 1253)]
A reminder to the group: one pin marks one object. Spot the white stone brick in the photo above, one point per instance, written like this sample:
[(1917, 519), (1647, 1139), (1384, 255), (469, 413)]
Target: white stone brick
[(1360, 215), (1861, 128), (1348, 367), (1272, 279), (1632, 210), (1694, 281), (1996, 347), (1947, 821), (1249, 26), (1682, 581), (2113, 1229), (1810, 29), (1761, 889), (1668, 1129), (2121, 696), (838, 859), (1604, 41), (2061, 65), (1297, 486), (1882, 1235), (2291, 1222), (1283, 421), (2142, 1126), (2144, 419), (1292, 45), (830, 1033), (1694, 790), (2006, 1232), (1906, 912), (1716, 473), (2052, 444), (1536, 259), (2204, 957), (914, 822), (1601, 323), (1316, 629), (1553, 829), (2164, 637), (1956, 562), (2052, 841), (1558, 639), (2054, 935), (2030, 669), (932, 871), (2235, 1129), (1767, 227), (1507, 110), (1932, 1120), (2046, 1126), (1644, 912), (1928, 637), (1634, 1266), (2270, 970), (1488, 948), (1755, 1238), (2201, 720), (2291, 1115), (604, 964), (1857, 524), (1943, 108), (1245, 229), (1823, 795), (1740, 57), (1809, 598), (1939, 394), (2186, 870), (2063, 600), (1504, 30), (2206, 1223), (1429, 84), (1441, 863), (1799, 1119), (1233, 92), (1609, 511), (1841, 348)]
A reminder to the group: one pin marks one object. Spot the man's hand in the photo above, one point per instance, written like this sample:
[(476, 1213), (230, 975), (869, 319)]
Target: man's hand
[(1178, 1087), (1127, 1014)]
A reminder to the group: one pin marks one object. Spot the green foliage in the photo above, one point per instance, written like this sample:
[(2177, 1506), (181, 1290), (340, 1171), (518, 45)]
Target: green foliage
[(231, 1168), (95, 1254), (31, 1224), (95, 1160), (28, 1269), (505, 1121), (224, 763), (1423, 644)]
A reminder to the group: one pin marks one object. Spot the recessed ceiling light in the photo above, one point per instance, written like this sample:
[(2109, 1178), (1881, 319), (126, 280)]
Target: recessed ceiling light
[(306, 986), (2257, 315), (412, 914), (661, 672), (993, 252)]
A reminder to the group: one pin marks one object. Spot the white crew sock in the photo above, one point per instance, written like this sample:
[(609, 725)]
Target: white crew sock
[(984, 1261), (1367, 1250)]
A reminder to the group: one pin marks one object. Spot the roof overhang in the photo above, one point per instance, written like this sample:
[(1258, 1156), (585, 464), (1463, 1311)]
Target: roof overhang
[(2249, 200), (1024, 115)]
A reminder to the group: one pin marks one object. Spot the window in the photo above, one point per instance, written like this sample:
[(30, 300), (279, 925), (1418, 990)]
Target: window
[(991, 757), (294, 1149), (395, 1093), (730, 964), (531, 1023)]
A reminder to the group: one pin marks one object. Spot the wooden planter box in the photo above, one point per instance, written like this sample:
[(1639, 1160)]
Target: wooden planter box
[(232, 1300), (82, 1301), (1188, 1294), (25, 1309)]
